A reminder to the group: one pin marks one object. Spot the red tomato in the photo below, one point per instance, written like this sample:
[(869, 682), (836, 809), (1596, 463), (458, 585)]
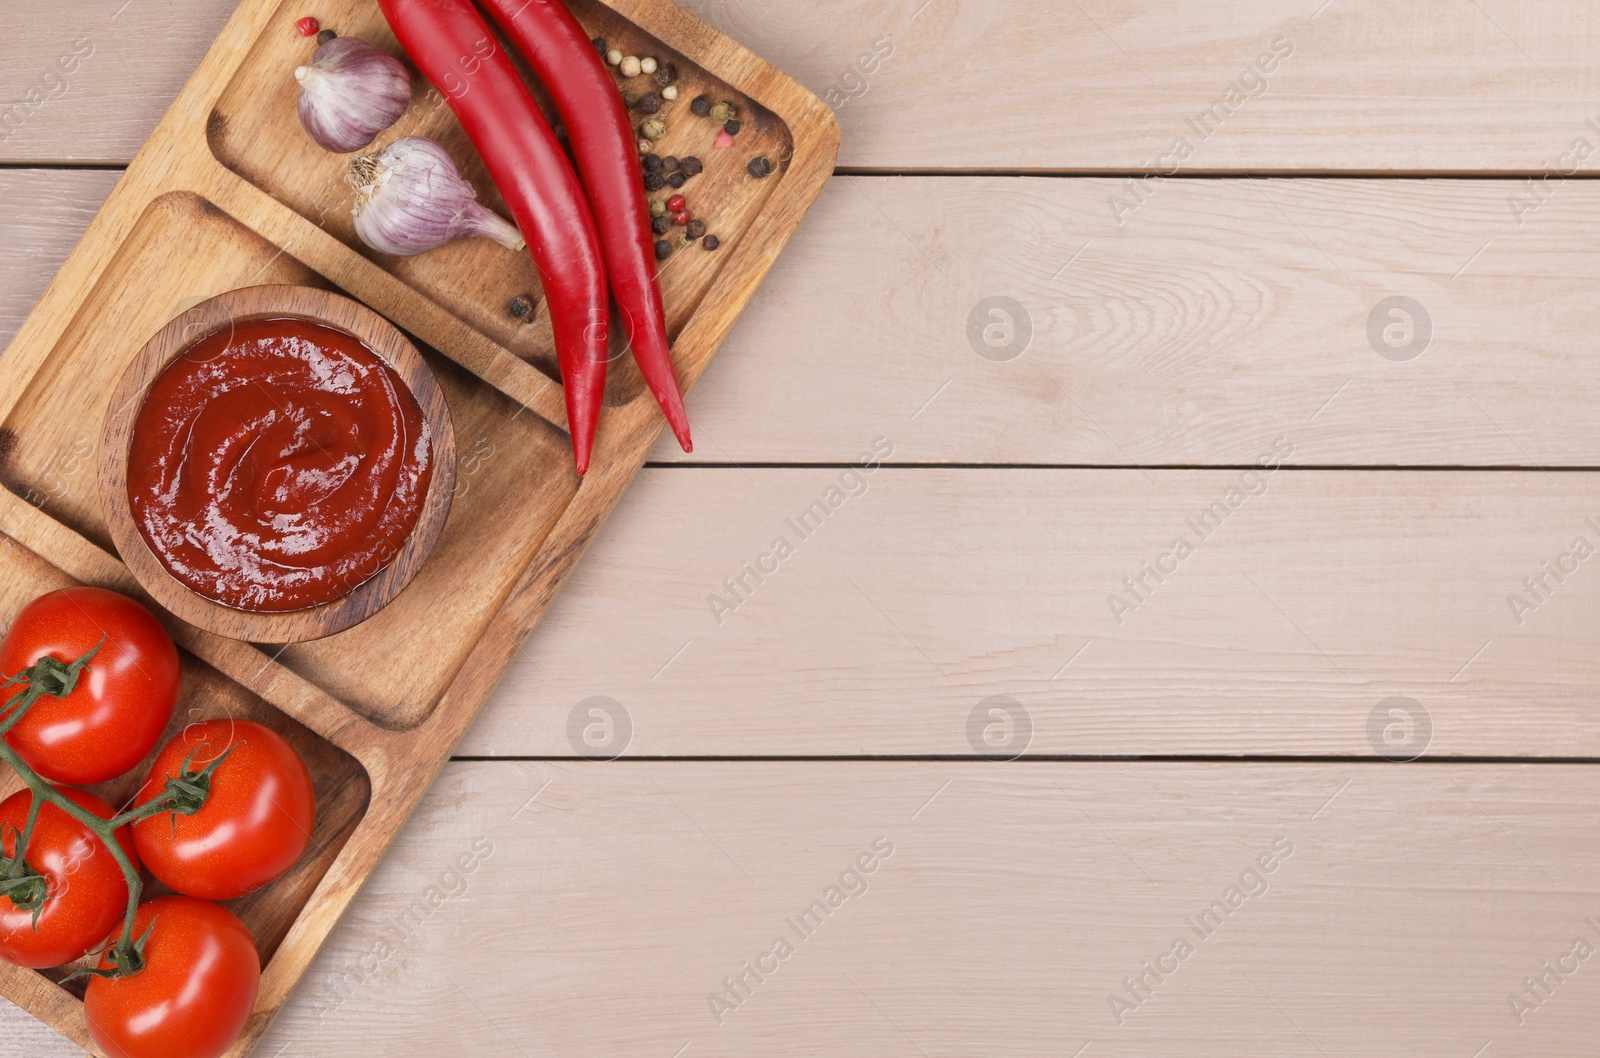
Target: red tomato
[(254, 825), (87, 894), (123, 700), (195, 993)]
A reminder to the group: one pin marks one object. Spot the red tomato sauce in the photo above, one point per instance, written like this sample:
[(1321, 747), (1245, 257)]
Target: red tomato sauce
[(277, 464)]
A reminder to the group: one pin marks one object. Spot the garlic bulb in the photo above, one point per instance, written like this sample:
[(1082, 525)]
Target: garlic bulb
[(410, 199), (350, 93)]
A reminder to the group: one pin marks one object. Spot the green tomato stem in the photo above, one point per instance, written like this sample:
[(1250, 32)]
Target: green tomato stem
[(59, 681), (18, 864), (102, 828)]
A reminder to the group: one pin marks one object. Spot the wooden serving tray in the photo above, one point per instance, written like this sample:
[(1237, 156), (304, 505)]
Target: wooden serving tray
[(229, 192)]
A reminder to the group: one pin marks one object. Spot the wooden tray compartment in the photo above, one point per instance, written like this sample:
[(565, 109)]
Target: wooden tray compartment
[(221, 197), (476, 278), (342, 787)]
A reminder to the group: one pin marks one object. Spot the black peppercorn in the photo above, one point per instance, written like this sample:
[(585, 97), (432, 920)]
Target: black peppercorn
[(629, 98), (662, 224), (701, 106), (676, 180), (691, 166), (325, 36), (732, 127), (665, 74), (759, 168), (695, 229), (649, 103), (653, 163), (711, 242), (670, 163), (521, 307), (654, 181), (663, 249), (600, 46)]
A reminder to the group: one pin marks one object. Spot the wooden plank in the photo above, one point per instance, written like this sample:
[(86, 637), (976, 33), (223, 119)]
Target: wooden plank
[(1299, 614), (87, 80), (1199, 332), (537, 909), (42, 213), (1220, 316), (1105, 85)]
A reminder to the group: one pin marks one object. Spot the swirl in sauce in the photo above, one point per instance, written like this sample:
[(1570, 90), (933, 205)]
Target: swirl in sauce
[(277, 464)]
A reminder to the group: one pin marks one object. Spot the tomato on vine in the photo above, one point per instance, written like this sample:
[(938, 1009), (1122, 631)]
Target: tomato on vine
[(65, 894), (122, 698), (193, 992), (256, 819)]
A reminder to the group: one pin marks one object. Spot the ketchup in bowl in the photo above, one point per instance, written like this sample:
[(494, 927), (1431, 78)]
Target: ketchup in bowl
[(277, 464)]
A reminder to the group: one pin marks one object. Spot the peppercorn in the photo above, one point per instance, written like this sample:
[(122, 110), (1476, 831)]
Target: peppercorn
[(658, 208), (600, 46), (663, 249), (732, 127), (670, 92), (691, 166), (630, 66), (652, 163), (711, 242), (629, 98), (645, 146), (521, 307), (308, 26), (648, 64), (700, 106), (676, 180), (614, 57), (682, 218), (661, 225), (649, 103), (695, 229), (759, 168), (721, 113), (670, 163), (677, 203), (325, 36), (666, 75), (654, 129), (654, 181)]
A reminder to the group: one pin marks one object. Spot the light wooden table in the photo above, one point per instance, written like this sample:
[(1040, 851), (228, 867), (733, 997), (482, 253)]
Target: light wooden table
[(1064, 371)]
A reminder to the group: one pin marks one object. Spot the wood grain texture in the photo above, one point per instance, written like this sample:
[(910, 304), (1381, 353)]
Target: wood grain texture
[(1435, 86), (132, 57), (42, 214), (1223, 314), (1017, 898), (1208, 325), (1299, 612)]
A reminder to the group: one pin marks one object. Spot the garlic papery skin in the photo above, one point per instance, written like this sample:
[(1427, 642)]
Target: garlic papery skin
[(350, 93), (410, 198)]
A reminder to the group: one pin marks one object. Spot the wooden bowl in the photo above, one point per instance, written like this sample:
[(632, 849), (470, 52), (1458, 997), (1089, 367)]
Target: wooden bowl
[(274, 302)]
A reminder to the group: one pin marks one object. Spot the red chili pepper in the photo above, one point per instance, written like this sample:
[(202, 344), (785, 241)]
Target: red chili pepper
[(455, 49), (603, 142)]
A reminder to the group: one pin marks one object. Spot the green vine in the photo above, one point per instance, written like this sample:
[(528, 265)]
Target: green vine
[(19, 881)]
